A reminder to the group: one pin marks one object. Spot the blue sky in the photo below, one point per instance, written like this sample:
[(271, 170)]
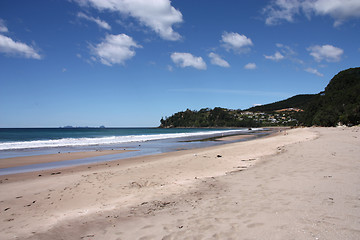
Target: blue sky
[(128, 63)]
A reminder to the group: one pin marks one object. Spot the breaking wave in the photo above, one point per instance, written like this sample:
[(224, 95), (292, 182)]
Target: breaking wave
[(68, 142)]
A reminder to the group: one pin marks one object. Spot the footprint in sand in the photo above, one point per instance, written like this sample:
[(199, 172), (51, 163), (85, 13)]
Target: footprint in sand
[(147, 226), (253, 225)]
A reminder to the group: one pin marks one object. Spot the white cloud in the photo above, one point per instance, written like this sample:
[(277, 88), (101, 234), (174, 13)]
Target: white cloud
[(3, 27), (98, 21), (158, 15), (314, 71), (280, 10), (250, 66), (289, 53), (285, 10), (217, 60), (236, 42), (188, 60), (11, 47), (328, 53), (115, 49), (286, 50), (340, 10), (276, 57)]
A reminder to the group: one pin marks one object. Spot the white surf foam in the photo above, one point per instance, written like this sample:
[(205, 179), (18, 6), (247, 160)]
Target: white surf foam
[(67, 142)]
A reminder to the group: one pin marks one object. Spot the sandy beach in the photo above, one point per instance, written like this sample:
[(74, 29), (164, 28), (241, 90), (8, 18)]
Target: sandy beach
[(298, 184), (37, 159)]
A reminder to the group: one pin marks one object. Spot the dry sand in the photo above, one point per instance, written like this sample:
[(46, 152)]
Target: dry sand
[(302, 184)]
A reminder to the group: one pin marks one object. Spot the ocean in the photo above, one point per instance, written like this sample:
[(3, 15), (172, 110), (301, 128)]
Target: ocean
[(18, 142), (27, 138)]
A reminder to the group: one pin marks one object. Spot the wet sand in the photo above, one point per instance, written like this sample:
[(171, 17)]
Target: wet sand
[(299, 184), (37, 159), (235, 137)]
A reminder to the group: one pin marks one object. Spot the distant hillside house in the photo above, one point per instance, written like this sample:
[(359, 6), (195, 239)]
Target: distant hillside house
[(290, 110)]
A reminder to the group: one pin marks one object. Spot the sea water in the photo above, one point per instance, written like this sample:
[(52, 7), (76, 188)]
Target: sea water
[(27, 138), (17, 142)]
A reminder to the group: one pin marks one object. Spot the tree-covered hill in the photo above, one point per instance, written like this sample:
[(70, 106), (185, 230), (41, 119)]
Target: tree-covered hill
[(339, 103), (298, 101), (217, 117)]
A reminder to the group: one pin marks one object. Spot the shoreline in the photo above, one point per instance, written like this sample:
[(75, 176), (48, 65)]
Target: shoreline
[(69, 193), (159, 194), (123, 162), (58, 161)]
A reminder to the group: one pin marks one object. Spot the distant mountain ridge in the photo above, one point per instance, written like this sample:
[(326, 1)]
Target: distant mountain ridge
[(339, 103)]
